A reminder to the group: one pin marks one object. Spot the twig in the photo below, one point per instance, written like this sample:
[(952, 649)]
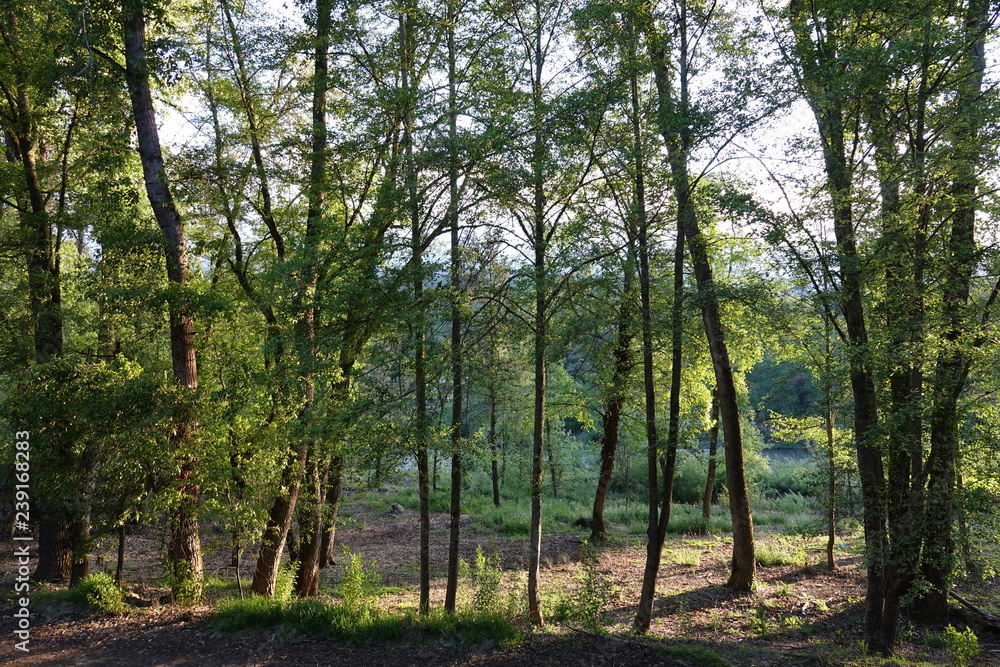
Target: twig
[(973, 607)]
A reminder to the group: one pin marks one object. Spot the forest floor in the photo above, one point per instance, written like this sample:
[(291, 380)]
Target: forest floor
[(801, 614)]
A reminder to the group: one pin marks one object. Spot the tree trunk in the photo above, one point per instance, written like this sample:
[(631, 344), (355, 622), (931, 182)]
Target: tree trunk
[(817, 59), (311, 530), (44, 296), (406, 53), (610, 420), (279, 523), (184, 550), (334, 486), (55, 557), (713, 444), (678, 139), (831, 470), (539, 244), (494, 464), (553, 473), (456, 321), (656, 524)]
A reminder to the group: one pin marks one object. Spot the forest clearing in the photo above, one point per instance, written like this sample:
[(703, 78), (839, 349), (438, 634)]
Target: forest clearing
[(801, 614)]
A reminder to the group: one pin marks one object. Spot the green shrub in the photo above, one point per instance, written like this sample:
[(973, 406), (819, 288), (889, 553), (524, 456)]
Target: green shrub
[(359, 584), (589, 603), (963, 646), (487, 579), (691, 473), (99, 592), (284, 584), (802, 478)]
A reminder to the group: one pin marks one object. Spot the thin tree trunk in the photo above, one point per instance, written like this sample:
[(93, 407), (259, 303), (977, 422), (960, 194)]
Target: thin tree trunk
[(622, 355), (184, 550), (831, 470), (553, 473), (494, 464), (539, 243), (120, 560), (334, 487), (656, 522), (456, 320), (678, 139), (419, 334), (713, 461)]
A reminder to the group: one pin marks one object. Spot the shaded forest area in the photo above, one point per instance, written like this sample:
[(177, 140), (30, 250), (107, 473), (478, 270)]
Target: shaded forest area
[(537, 270)]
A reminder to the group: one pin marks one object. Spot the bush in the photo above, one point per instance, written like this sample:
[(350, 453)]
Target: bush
[(487, 578), (99, 592), (284, 584), (963, 646), (589, 603), (690, 476), (359, 585)]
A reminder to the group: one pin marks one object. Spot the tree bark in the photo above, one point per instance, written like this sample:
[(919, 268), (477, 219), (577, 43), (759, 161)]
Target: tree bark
[(184, 550), (954, 362), (818, 64), (713, 444), (279, 523), (657, 520), (539, 244), (41, 256), (622, 360), (674, 113), (456, 321), (494, 464)]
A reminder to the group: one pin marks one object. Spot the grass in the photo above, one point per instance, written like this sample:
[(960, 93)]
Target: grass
[(687, 557), (321, 618), (777, 554)]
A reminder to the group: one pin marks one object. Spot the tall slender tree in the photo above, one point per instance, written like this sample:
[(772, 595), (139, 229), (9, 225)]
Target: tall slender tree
[(184, 549)]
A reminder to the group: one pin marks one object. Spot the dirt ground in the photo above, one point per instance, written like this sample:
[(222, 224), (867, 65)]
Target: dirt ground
[(802, 614)]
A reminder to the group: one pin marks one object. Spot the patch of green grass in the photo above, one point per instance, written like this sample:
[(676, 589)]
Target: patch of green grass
[(687, 520), (216, 586), (253, 613), (783, 589), (316, 617), (469, 628), (510, 521), (687, 557), (774, 555)]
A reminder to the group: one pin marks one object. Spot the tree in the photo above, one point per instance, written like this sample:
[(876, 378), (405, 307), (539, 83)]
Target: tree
[(185, 543), (675, 123)]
